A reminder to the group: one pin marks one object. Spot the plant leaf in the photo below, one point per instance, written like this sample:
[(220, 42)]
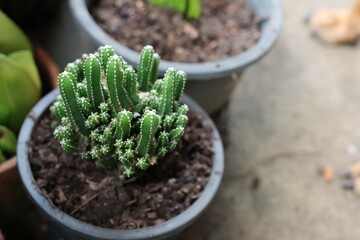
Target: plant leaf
[(18, 93), (7, 141), (11, 37), (25, 59), (194, 9)]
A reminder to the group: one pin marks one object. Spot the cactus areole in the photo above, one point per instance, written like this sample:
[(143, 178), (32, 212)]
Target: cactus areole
[(119, 118)]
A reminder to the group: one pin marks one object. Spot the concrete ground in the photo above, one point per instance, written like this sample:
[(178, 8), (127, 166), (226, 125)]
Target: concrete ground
[(295, 111)]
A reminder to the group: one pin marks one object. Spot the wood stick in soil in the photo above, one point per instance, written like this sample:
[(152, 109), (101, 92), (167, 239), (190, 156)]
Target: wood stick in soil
[(85, 203)]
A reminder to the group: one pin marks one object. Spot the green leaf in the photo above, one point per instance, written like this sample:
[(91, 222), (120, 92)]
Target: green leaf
[(2, 157), (18, 92), (7, 141), (190, 8), (160, 3), (11, 37), (178, 5), (193, 10), (26, 59)]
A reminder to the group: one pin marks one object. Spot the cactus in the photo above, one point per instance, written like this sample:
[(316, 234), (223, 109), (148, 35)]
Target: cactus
[(190, 8), (121, 118)]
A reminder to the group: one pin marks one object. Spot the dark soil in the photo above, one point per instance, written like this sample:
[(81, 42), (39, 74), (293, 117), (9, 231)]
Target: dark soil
[(226, 28), (97, 196)]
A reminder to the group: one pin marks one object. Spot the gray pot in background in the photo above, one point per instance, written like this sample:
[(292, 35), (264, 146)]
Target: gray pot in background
[(210, 84), (63, 226)]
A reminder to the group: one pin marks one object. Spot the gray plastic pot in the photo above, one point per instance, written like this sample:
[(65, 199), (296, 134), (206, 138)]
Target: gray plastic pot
[(210, 84), (63, 226)]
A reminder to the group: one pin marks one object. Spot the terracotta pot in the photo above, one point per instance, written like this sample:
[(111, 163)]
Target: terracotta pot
[(12, 197)]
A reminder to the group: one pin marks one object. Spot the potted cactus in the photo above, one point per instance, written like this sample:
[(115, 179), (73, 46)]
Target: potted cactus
[(119, 155), (25, 74), (215, 35)]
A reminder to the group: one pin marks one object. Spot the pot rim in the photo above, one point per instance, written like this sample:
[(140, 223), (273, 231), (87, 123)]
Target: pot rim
[(162, 230), (270, 30)]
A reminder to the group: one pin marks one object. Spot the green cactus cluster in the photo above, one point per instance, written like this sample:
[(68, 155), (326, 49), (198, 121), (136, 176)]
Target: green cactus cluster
[(118, 117), (190, 8)]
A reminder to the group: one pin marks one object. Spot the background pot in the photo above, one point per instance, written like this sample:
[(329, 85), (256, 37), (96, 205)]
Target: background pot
[(12, 197), (64, 226), (212, 83)]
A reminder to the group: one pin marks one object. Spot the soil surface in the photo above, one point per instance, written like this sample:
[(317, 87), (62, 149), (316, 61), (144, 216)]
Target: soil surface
[(226, 28), (97, 196)]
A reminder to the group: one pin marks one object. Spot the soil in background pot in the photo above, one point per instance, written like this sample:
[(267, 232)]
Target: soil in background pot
[(226, 28), (98, 197)]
